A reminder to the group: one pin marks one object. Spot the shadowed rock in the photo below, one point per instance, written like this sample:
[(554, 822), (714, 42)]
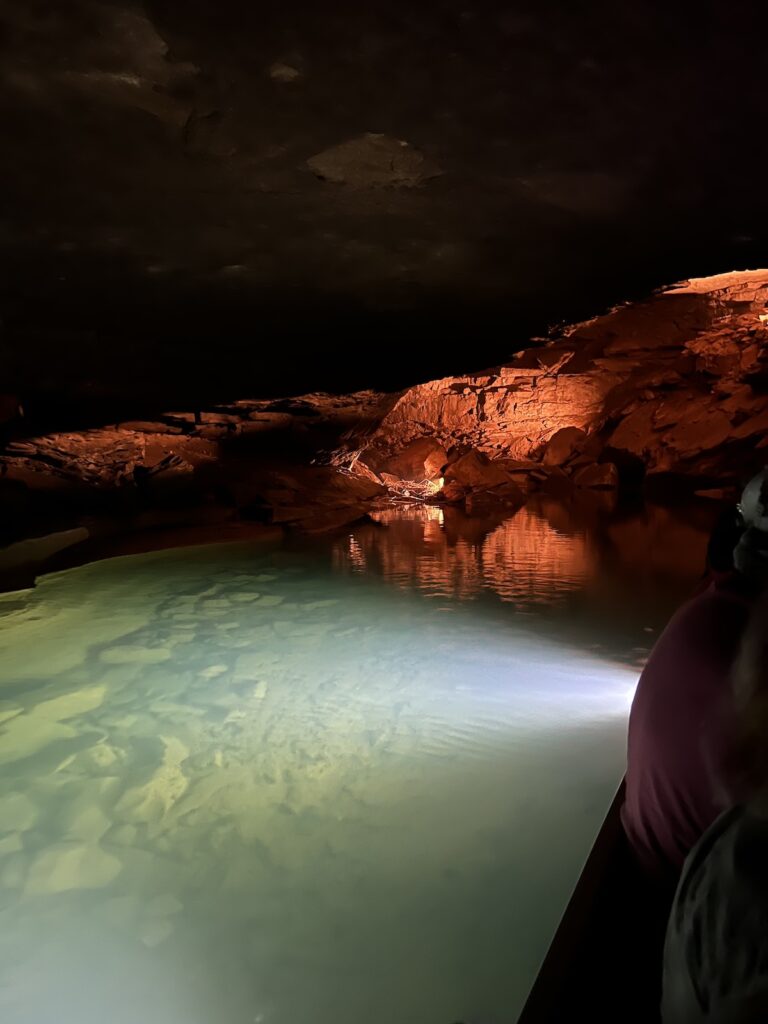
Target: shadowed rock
[(373, 161)]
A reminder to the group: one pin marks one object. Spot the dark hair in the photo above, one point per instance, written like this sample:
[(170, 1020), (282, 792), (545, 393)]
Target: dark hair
[(726, 534)]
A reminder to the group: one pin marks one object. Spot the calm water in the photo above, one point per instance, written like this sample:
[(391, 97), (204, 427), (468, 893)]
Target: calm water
[(318, 785)]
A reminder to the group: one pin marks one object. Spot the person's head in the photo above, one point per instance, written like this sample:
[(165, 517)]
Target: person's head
[(750, 685), (750, 556)]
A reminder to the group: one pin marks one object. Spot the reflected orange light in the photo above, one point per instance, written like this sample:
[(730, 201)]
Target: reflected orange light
[(447, 554)]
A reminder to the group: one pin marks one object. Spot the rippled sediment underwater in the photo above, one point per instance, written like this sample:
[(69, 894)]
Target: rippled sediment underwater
[(317, 784)]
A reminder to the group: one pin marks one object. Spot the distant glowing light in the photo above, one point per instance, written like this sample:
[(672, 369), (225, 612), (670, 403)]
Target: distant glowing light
[(415, 490)]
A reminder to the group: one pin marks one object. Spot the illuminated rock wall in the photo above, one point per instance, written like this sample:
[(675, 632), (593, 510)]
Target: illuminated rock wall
[(677, 382)]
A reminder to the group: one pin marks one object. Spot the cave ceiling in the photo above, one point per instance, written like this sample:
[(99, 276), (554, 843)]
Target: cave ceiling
[(275, 196)]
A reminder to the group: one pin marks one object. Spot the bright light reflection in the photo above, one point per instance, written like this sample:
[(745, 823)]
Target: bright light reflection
[(232, 758)]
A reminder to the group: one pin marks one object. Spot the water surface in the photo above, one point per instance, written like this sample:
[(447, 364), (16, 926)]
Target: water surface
[(318, 784)]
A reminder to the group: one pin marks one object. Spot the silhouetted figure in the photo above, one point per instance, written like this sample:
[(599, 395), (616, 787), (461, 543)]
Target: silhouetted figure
[(725, 535), (682, 714), (716, 953)]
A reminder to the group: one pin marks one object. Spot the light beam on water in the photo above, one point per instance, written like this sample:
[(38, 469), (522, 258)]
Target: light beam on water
[(238, 786)]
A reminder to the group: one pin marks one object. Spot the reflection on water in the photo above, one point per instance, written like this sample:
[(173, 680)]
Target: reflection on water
[(448, 554), (588, 573), (312, 785)]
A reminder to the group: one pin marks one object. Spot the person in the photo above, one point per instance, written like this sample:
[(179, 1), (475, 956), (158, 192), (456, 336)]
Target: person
[(726, 534), (682, 712), (716, 950)]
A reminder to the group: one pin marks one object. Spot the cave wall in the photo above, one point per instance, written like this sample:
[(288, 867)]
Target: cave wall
[(678, 383), (668, 392)]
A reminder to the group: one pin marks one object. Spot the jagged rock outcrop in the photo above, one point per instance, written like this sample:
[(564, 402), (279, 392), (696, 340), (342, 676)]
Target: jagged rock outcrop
[(602, 476), (423, 459), (676, 385), (671, 390), (480, 483), (563, 445), (248, 459)]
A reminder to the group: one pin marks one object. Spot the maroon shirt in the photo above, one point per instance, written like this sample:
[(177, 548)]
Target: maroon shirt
[(679, 727)]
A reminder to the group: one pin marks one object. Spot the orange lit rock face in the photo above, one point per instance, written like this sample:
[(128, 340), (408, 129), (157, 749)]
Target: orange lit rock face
[(192, 465), (676, 385), (480, 483), (679, 382), (599, 476), (508, 412), (563, 445), (423, 459)]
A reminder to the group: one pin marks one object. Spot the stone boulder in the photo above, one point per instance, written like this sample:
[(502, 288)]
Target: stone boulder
[(373, 160), (505, 496), (453, 493), (521, 472), (422, 459), (482, 484), (557, 482), (304, 497), (476, 471), (563, 445), (601, 476), (717, 352)]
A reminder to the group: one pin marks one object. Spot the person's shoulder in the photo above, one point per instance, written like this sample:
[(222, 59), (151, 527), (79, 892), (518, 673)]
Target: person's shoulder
[(734, 586), (725, 601), (705, 876), (702, 885), (703, 862), (685, 985), (717, 930)]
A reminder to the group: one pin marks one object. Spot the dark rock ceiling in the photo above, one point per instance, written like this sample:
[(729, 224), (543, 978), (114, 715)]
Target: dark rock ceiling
[(177, 217)]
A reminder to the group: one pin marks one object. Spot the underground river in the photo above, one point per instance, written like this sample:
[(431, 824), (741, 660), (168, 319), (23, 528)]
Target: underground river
[(319, 783)]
